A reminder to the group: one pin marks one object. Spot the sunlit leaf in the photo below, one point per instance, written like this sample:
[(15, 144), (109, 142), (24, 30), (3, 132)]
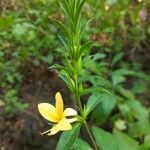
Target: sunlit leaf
[(93, 101), (103, 109)]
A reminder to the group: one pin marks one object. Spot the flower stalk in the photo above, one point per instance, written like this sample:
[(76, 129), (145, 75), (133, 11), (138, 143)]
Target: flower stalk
[(72, 29), (72, 10)]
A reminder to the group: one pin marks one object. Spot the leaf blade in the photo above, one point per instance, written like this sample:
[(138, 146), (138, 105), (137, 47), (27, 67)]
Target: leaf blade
[(68, 137)]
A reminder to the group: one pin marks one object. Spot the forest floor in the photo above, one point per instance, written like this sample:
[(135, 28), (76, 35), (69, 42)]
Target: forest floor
[(22, 131)]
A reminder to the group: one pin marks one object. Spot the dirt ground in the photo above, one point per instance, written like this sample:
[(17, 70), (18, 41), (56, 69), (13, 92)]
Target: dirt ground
[(21, 132)]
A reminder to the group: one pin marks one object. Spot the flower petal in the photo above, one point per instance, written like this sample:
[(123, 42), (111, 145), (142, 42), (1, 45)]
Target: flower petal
[(59, 104), (48, 111), (69, 112), (61, 126), (54, 130), (64, 125), (72, 120)]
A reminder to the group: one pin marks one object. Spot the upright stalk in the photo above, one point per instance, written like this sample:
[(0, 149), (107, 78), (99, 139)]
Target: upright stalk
[(90, 135), (73, 29), (86, 125)]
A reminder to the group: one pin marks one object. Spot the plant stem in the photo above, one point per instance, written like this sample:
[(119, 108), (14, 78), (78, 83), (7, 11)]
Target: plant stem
[(90, 135), (79, 103), (86, 125)]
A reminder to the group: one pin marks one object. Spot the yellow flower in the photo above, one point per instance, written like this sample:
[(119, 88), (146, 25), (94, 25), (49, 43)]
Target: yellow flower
[(57, 115)]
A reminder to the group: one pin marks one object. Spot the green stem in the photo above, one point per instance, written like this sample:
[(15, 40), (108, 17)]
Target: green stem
[(79, 103), (90, 135), (85, 123)]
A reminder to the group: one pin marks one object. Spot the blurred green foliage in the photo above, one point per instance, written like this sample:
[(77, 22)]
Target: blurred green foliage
[(118, 59)]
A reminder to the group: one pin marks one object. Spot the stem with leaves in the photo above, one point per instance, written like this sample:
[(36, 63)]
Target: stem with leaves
[(73, 29)]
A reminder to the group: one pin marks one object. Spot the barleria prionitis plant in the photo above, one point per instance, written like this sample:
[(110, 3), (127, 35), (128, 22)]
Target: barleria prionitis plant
[(72, 31)]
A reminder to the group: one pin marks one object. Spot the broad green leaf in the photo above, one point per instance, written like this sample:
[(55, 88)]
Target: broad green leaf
[(125, 111), (126, 93), (68, 138), (117, 78), (139, 129), (104, 139), (137, 110), (119, 75), (93, 101), (125, 142), (98, 56), (80, 144), (103, 109)]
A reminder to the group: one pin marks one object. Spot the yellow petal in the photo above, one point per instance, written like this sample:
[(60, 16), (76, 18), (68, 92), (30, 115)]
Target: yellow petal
[(69, 112), (61, 126), (59, 104), (72, 120), (64, 125), (48, 111), (54, 130)]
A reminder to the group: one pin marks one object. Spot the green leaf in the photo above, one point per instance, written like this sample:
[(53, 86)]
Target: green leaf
[(125, 111), (104, 140), (62, 27), (56, 66), (47, 59), (98, 56), (137, 110), (139, 129), (126, 93), (125, 142), (68, 138), (93, 101), (103, 110), (84, 47), (119, 75), (78, 10), (80, 144), (95, 90), (117, 57)]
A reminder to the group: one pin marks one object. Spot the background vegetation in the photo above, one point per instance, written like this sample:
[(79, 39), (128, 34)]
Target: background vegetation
[(119, 61)]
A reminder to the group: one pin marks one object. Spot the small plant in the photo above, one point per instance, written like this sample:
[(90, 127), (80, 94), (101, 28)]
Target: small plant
[(12, 103)]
